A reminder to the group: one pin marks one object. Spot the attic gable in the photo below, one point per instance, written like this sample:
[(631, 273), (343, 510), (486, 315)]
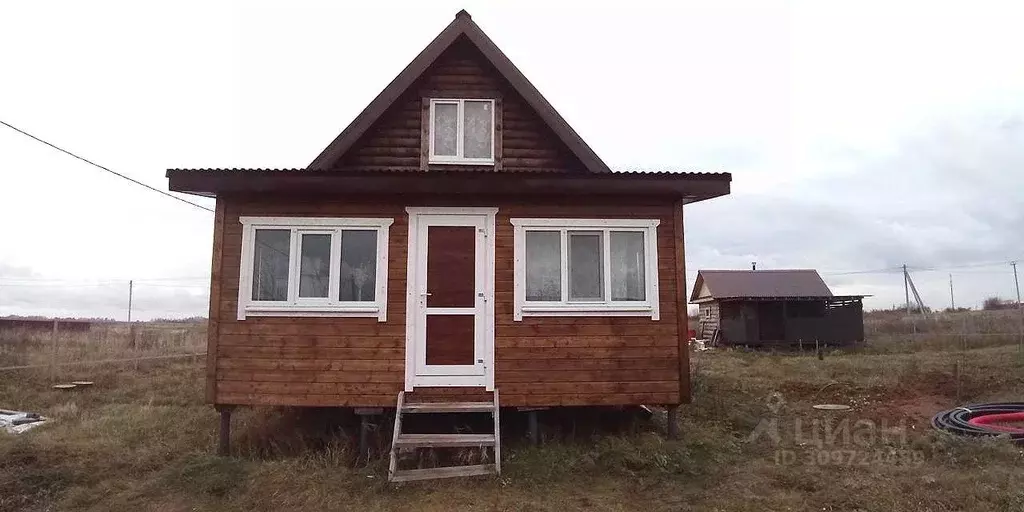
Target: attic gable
[(461, 62)]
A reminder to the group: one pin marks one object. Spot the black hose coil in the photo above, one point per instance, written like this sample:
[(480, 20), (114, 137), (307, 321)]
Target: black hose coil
[(957, 421)]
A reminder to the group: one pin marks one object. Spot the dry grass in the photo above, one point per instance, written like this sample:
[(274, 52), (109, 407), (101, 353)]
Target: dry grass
[(142, 440), (101, 342), (894, 331), (897, 323)]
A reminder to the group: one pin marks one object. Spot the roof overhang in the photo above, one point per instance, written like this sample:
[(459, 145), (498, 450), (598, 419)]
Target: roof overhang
[(690, 187)]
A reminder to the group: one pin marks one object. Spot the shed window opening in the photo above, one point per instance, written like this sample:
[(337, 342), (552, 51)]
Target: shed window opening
[(309, 266), (585, 268), (805, 309), (462, 131)]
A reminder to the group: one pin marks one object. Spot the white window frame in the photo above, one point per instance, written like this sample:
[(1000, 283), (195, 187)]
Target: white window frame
[(458, 159), (312, 306), (607, 307)]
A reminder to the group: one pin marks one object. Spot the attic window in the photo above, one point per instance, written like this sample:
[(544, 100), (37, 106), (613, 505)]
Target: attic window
[(462, 131)]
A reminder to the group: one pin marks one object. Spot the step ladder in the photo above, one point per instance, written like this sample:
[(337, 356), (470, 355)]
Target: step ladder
[(402, 440)]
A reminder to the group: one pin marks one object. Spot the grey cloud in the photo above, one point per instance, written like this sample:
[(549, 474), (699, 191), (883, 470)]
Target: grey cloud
[(23, 292), (949, 196)]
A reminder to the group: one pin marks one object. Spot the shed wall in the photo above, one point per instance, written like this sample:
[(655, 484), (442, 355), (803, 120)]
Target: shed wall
[(744, 323), (709, 319)]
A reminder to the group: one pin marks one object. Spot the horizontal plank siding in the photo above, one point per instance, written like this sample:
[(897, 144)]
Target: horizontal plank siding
[(540, 361), (710, 319)]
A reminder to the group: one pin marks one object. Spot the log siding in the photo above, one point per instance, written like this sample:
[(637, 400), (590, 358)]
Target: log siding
[(539, 361), (523, 142)]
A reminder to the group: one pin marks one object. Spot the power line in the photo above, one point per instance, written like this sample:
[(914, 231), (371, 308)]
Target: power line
[(94, 164), (47, 280), (944, 268), (966, 265), (888, 270)]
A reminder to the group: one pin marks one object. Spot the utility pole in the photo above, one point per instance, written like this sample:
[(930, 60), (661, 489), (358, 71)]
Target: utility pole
[(952, 304), (130, 284), (906, 288), (1016, 283)]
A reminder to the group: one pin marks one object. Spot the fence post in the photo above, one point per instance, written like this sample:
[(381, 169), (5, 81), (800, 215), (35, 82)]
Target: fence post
[(1020, 332), (956, 370), (964, 333), (53, 353), (135, 344)]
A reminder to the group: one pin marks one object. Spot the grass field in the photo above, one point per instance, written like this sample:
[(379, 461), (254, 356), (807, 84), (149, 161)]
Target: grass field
[(142, 440)]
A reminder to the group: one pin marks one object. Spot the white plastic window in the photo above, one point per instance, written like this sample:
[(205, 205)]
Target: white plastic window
[(462, 131), (313, 267), (567, 267)]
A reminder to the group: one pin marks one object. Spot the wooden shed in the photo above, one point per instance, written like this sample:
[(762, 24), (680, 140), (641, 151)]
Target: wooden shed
[(775, 307), (458, 239)]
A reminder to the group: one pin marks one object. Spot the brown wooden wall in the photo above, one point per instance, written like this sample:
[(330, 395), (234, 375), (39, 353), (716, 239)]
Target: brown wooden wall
[(525, 142), (361, 362)]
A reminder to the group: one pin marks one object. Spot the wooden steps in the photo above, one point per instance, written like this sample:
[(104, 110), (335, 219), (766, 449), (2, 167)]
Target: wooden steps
[(444, 440), (410, 475), (401, 440), (444, 407)]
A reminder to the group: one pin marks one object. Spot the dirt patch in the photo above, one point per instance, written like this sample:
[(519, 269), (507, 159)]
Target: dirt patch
[(915, 410), (914, 406), (837, 392)]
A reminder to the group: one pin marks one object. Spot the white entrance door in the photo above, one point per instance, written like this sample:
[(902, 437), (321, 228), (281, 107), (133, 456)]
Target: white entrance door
[(450, 298)]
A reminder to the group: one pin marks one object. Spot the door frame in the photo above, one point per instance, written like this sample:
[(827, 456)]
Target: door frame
[(413, 266)]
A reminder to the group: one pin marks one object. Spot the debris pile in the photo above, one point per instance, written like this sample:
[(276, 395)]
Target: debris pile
[(16, 422)]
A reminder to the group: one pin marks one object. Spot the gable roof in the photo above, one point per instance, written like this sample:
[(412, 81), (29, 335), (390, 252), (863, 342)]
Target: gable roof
[(463, 25), (731, 284)]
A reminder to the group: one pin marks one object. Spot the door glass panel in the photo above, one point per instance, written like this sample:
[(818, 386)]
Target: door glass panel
[(543, 265), (450, 339), (451, 272), (314, 266), (585, 267), (627, 255), (358, 265), (270, 264)]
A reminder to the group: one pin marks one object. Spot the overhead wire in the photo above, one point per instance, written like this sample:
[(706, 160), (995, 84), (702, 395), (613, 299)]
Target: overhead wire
[(107, 169)]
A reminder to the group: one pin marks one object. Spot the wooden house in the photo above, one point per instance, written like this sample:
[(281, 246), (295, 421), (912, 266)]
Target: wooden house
[(775, 307), (458, 239)]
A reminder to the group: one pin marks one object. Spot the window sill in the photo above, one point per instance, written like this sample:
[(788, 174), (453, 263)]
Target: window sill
[(369, 311), (599, 310), (460, 161)]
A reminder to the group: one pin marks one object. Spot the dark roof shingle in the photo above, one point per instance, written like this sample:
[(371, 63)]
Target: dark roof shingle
[(730, 284)]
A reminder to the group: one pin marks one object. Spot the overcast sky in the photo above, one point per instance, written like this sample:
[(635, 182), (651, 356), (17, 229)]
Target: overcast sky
[(860, 137)]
